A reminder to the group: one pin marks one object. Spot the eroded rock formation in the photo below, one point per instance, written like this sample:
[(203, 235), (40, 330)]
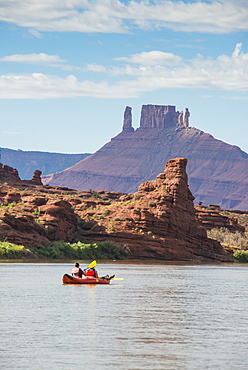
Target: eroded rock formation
[(213, 217), (8, 174), (217, 171), (158, 221), (11, 176), (127, 121), (162, 116)]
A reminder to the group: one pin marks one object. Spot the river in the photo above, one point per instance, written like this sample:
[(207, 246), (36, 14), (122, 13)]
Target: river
[(160, 316)]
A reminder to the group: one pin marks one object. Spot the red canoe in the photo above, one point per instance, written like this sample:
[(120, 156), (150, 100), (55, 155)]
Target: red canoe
[(68, 279)]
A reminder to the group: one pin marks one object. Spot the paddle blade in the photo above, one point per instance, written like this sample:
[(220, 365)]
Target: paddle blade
[(92, 264), (117, 279)]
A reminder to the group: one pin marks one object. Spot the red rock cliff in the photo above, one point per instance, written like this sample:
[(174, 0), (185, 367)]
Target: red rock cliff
[(158, 221)]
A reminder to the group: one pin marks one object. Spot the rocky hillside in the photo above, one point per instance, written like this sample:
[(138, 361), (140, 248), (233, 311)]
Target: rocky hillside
[(26, 162), (217, 171), (158, 221)]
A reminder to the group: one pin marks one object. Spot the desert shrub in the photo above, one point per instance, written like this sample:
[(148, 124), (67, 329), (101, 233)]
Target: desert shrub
[(62, 250), (105, 250), (241, 256), (152, 204), (80, 222), (111, 225), (96, 195), (9, 250), (13, 251), (224, 236), (8, 206), (36, 212), (80, 250)]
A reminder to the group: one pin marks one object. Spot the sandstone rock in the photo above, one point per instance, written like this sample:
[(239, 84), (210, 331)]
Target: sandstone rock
[(8, 174), (59, 220), (159, 220), (36, 179), (211, 219), (12, 197), (23, 231), (217, 171), (127, 122), (162, 116)]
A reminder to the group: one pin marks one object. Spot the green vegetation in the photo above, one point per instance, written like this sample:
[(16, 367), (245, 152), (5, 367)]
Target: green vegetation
[(152, 204), (112, 226), (63, 250), (36, 212), (235, 240), (7, 207), (10, 250), (241, 255), (96, 195)]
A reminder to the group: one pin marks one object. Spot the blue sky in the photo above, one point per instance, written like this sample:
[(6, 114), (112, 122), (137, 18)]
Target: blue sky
[(69, 68)]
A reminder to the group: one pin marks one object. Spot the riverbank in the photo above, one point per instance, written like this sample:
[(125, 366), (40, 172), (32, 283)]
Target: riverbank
[(66, 252), (63, 251)]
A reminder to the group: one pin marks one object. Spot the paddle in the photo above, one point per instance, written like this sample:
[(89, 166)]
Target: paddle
[(92, 264)]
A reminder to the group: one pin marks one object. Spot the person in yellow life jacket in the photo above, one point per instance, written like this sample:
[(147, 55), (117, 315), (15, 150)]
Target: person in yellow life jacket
[(77, 271), (91, 273)]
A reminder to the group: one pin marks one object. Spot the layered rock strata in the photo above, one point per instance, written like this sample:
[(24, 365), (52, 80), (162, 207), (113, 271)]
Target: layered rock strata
[(158, 221), (217, 171)]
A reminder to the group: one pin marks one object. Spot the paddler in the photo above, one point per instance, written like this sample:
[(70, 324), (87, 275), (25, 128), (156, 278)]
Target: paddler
[(91, 272), (77, 271)]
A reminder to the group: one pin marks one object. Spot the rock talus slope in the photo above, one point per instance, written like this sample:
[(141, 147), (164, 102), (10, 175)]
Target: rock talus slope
[(218, 172)]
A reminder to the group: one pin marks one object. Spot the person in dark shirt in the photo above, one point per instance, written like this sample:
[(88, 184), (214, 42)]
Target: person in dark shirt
[(77, 271)]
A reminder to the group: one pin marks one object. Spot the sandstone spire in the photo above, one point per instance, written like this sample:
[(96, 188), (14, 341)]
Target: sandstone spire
[(127, 121), (186, 118)]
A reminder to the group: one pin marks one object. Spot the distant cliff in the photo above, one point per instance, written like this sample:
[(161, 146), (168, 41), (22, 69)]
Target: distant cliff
[(217, 171), (26, 162)]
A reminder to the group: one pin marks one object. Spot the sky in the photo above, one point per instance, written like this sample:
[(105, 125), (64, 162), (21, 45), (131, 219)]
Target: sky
[(68, 69)]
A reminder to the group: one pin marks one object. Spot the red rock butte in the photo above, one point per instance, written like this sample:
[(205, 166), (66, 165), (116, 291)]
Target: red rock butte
[(217, 171), (157, 116)]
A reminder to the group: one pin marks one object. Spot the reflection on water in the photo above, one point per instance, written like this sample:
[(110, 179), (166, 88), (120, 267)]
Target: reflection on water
[(158, 317)]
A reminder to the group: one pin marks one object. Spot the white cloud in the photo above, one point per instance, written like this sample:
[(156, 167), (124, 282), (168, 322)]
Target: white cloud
[(115, 16), (64, 16), (237, 50), (95, 68), (40, 59), (139, 75), (41, 86), (36, 34), (153, 58)]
